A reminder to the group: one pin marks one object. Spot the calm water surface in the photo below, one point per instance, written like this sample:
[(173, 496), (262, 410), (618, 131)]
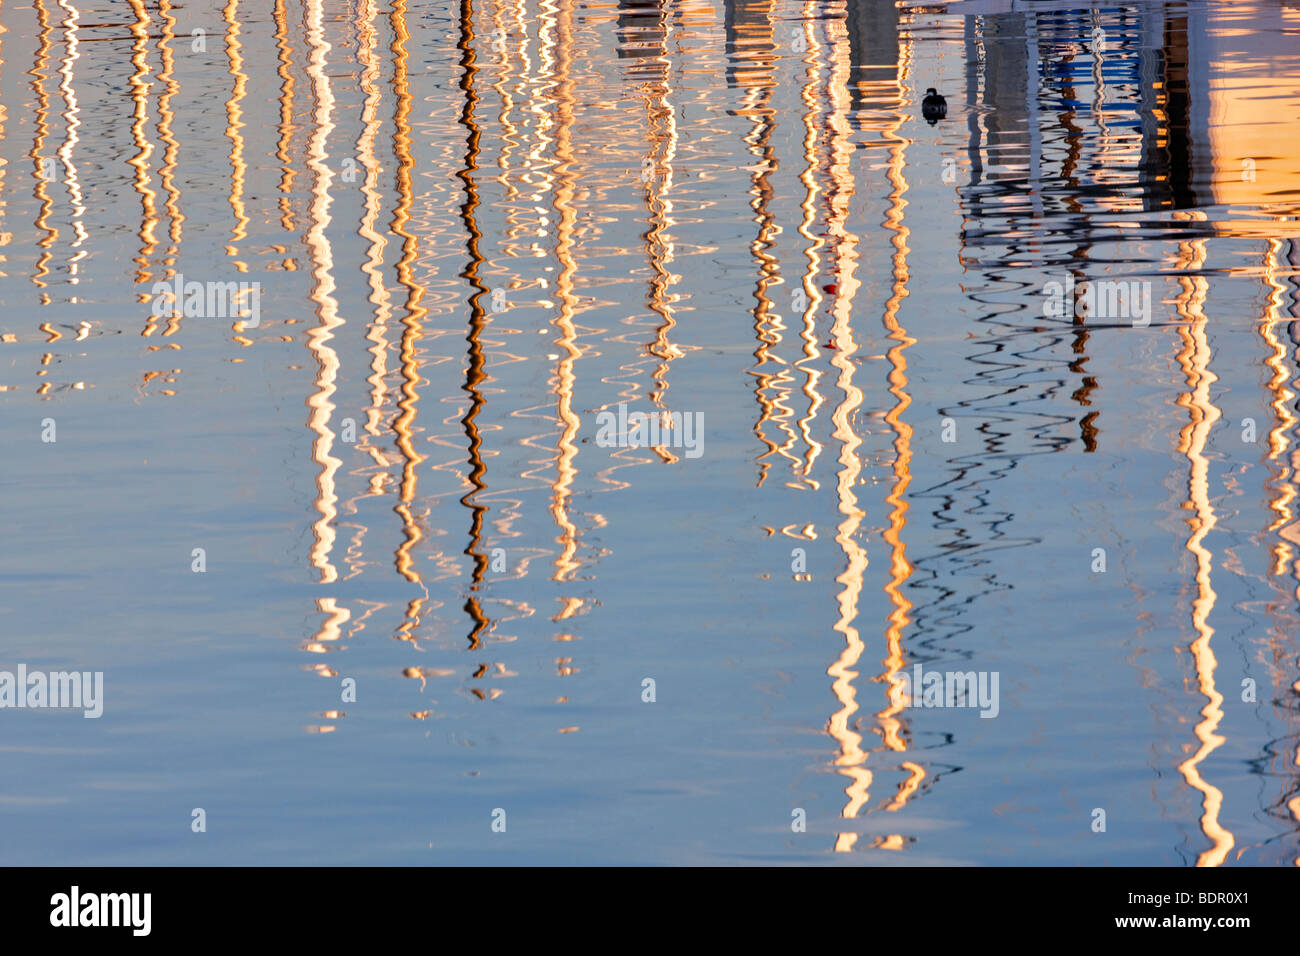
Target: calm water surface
[(477, 226)]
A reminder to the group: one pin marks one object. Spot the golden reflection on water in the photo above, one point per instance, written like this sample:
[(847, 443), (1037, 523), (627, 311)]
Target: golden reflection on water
[(67, 152), (900, 569), (1281, 491), (1194, 358), (43, 198), (565, 377), (475, 371), (770, 389), (1284, 420), (140, 161), (412, 311), (522, 131), (322, 256), (286, 127), (170, 164), (234, 124), (808, 293), (378, 296)]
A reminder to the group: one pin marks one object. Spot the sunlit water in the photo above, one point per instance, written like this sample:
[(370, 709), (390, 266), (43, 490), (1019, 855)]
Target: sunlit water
[(476, 227)]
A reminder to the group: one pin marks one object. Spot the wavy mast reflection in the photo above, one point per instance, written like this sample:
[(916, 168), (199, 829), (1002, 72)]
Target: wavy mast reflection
[(285, 128), (558, 21), (170, 162), (753, 45), (322, 294), (1194, 358), (810, 293), (140, 87), (378, 297), (900, 569), (413, 311), (45, 203), (566, 471), (661, 125), (823, 93), (71, 139), (475, 372), (234, 126), (1279, 487)]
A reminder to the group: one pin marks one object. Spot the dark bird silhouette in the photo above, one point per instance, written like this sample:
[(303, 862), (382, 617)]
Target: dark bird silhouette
[(934, 107)]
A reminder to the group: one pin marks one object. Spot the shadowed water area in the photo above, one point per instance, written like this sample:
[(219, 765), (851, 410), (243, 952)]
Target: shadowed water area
[(366, 575)]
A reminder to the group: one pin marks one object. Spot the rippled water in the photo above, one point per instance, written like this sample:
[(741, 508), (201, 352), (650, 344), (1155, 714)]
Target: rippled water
[(477, 227)]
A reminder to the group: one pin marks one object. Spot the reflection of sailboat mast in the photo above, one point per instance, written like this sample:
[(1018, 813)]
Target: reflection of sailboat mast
[(561, 23), (322, 288), (474, 372), (1071, 165), (565, 378), (285, 127), (643, 29), (373, 266), (71, 139), (814, 243), (1284, 421), (900, 569), (167, 172), (1279, 484), (1195, 361), (234, 123), (144, 149), (1293, 259), (750, 28), (413, 311), (662, 123), (42, 128), (844, 255)]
